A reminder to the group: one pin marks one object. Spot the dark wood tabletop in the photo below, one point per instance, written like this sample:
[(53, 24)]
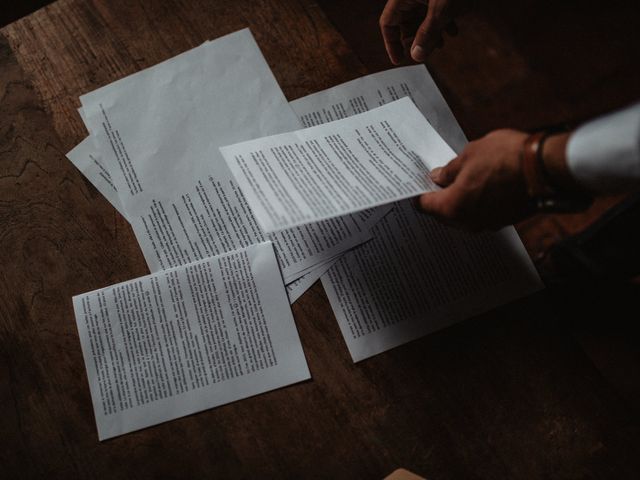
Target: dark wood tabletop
[(510, 394)]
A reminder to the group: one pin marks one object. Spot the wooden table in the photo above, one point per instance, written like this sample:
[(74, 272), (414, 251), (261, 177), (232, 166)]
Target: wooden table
[(510, 394)]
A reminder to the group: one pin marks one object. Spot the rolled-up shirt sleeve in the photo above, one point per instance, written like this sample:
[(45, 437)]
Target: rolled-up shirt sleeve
[(604, 155)]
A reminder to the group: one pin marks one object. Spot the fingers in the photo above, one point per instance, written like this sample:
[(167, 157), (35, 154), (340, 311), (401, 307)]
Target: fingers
[(445, 176), (442, 204), (429, 33), (425, 38), (447, 206), (418, 24), (390, 27), (393, 44)]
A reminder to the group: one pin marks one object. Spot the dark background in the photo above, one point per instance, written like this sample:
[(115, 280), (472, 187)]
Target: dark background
[(12, 10)]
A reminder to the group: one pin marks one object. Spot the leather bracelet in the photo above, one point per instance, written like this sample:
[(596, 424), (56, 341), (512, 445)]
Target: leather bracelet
[(535, 175), (542, 168)]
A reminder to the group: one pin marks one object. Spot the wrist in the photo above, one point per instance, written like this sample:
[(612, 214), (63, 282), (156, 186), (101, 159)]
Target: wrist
[(553, 157), (549, 183)]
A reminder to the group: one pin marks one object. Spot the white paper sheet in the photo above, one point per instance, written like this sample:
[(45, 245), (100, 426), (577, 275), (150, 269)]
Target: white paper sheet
[(158, 132), (417, 276), (363, 161), (365, 220), (371, 91), (361, 95), (297, 288), (190, 338), (84, 157)]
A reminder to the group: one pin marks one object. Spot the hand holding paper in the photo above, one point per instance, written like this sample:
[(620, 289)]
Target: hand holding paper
[(338, 168)]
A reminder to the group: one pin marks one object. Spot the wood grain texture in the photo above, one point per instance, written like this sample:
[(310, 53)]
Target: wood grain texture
[(506, 395)]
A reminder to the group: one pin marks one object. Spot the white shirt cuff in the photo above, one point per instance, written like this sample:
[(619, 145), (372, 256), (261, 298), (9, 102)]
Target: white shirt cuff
[(604, 155)]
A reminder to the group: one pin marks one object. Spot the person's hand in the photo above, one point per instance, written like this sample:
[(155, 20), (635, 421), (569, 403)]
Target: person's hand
[(416, 27), (484, 187)]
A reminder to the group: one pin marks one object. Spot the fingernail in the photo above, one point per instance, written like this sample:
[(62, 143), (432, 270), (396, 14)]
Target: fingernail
[(435, 174), (417, 53)]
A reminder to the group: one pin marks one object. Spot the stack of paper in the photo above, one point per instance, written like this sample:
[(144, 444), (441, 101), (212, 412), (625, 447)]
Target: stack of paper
[(228, 215)]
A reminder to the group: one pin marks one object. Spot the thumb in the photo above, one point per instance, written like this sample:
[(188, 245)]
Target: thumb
[(435, 203), (446, 175)]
